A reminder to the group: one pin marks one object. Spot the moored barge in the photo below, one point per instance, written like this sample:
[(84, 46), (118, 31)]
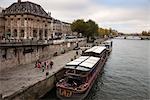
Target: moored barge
[(108, 44), (81, 73)]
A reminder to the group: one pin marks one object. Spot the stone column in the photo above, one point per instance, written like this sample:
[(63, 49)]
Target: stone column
[(38, 33), (11, 27), (43, 37), (18, 28), (25, 29), (31, 28)]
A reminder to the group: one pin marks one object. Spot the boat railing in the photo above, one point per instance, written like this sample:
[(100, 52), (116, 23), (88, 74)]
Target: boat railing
[(82, 87), (74, 74)]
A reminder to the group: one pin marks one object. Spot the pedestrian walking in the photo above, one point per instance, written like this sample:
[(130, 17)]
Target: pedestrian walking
[(75, 57), (43, 67), (77, 52), (36, 63), (82, 51), (39, 64), (71, 59), (47, 64), (47, 73), (51, 64)]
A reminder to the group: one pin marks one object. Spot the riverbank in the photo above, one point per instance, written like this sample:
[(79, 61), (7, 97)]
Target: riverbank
[(18, 80), (25, 82)]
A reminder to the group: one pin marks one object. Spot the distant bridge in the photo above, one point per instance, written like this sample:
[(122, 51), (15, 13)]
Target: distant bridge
[(132, 37)]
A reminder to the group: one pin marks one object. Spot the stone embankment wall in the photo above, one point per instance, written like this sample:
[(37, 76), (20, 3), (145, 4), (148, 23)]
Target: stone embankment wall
[(34, 92), (14, 56), (39, 89)]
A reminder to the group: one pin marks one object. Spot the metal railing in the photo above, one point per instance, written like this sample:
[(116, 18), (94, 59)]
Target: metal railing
[(29, 42), (25, 42)]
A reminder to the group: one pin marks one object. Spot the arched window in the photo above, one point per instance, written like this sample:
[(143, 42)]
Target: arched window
[(46, 33), (8, 34), (22, 33), (40, 34), (34, 33), (15, 33)]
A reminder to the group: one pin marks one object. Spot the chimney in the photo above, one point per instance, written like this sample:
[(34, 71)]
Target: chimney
[(19, 1), (49, 14)]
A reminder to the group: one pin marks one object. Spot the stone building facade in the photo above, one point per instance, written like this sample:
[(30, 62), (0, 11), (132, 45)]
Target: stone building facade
[(60, 29), (2, 25), (56, 27), (66, 28), (27, 20)]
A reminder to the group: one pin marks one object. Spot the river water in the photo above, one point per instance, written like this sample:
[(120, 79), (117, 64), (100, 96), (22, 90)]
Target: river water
[(126, 73)]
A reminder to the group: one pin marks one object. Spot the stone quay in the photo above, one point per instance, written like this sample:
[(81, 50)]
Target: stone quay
[(20, 80)]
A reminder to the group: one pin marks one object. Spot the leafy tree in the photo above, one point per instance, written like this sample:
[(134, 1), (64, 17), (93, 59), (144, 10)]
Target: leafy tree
[(144, 33), (108, 32), (88, 29), (79, 26), (149, 33), (92, 28), (103, 32)]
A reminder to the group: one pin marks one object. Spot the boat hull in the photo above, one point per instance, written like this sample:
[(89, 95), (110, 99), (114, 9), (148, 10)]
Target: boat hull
[(75, 96), (82, 95)]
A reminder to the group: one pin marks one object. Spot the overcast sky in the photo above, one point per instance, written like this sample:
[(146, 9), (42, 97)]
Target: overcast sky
[(127, 16)]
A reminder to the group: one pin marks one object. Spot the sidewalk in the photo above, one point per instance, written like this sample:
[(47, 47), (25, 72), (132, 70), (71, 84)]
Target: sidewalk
[(13, 80)]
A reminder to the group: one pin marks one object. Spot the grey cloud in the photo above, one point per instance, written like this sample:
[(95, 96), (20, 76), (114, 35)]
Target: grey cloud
[(69, 10)]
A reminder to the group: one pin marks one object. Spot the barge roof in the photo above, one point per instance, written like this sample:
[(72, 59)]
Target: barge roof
[(90, 62), (83, 63), (77, 61), (96, 49)]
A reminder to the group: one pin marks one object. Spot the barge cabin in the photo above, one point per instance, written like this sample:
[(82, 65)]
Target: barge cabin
[(108, 44), (81, 73)]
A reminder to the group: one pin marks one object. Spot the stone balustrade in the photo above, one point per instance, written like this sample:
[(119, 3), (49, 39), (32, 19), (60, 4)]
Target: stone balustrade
[(13, 43)]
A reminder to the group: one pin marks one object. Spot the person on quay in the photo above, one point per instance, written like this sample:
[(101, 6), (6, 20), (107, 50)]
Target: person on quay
[(47, 64), (43, 67), (77, 52), (39, 64), (51, 64), (36, 63)]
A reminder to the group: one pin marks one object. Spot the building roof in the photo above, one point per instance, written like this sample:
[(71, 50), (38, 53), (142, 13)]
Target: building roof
[(26, 8), (1, 9), (1, 15)]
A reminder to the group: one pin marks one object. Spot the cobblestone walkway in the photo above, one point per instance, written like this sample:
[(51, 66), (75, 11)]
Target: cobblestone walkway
[(13, 80)]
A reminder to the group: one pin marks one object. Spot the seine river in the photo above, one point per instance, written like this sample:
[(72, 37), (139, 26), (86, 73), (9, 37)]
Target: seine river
[(126, 73)]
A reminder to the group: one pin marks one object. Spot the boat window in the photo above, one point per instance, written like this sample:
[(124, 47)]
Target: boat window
[(107, 46), (80, 72), (70, 71), (70, 67)]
